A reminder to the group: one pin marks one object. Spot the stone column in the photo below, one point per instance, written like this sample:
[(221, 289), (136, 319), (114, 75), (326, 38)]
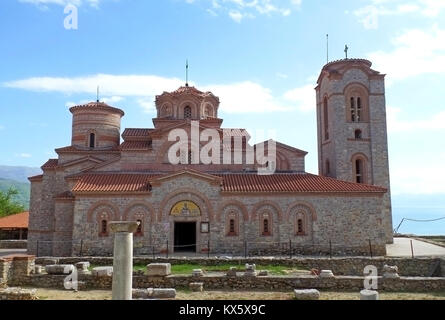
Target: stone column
[(123, 258)]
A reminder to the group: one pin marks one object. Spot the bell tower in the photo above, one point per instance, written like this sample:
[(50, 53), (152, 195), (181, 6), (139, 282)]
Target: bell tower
[(352, 129)]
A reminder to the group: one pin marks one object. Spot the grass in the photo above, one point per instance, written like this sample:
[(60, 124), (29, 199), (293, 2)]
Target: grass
[(188, 268)]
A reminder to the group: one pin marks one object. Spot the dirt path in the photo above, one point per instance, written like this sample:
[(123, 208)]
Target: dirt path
[(50, 294)]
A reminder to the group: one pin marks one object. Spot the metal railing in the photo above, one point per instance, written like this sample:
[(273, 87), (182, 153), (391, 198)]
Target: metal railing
[(288, 249)]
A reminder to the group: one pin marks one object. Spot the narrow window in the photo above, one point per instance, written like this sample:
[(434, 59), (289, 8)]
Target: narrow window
[(328, 168), (139, 229), (300, 229), (359, 171), (266, 230), (326, 119), (189, 159), (358, 134), (232, 226), (352, 107), (187, 112), (92, 140), (359, 109), (103, 227)]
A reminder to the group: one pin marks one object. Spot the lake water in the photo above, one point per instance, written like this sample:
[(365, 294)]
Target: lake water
[(422, 213)]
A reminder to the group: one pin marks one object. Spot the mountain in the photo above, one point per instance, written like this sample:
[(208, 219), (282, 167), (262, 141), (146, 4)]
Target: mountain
[(19, 174), (22, 187), (17, 177)]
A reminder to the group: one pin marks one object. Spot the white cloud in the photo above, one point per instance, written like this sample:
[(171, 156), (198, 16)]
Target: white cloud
[(246, 97), (416, 52), (282, 75), (110, 85), (24, 155), (238, 10), (395, 124), (147, 104), (240, 97), (77, 3), (369, 15), (419, 177), (303, 96), (236, 16)]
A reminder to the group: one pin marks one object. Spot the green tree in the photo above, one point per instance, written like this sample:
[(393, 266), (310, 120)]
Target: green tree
[(7, 205)]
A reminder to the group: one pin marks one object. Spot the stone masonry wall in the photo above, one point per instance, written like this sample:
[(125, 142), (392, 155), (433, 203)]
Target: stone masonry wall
[(340, 283), (350, 266)]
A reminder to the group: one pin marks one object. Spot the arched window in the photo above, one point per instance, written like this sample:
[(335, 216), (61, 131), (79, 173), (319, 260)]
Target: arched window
[(139, 229), (356, 109), (103, 228), (208, 112), (92, 139), (187, 112), (326, 118), (358, 134)]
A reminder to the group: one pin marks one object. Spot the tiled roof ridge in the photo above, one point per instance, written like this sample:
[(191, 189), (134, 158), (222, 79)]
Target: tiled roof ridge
[(348, 60), (98, 105)]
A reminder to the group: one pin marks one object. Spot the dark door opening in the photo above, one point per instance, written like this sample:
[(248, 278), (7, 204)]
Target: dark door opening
[(185, 237)]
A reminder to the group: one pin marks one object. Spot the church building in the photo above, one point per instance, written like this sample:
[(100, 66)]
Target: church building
[(224, 207)]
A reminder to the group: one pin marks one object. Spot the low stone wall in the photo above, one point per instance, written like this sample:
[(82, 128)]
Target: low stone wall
[(351, 266), (272, 283), (13, 244), (18, 294)]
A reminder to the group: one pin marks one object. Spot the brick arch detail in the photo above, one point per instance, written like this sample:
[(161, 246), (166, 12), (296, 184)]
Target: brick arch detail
[(304, 204), (259, 205), (147, 206), (235, 203), (203, 200), (113, 208)]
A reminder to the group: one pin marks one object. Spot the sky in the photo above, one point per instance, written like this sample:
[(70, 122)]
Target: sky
[(261, 57)]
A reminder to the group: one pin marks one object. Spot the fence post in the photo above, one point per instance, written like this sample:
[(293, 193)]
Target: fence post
[(290, 249), (330, 249), (412, 250), (208, 248), (370, 247), (167, 249), (81, 247)]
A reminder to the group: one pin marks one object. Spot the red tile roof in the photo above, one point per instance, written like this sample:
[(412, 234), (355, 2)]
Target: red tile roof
[(113, 183), (292, 182), (240, 182), (136, 145), (97, 105), (88, 150), (19, 220), (50, 164), (136, 132)]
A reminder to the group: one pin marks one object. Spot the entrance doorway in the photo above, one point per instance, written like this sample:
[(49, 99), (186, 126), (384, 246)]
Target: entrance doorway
[(185, 237)]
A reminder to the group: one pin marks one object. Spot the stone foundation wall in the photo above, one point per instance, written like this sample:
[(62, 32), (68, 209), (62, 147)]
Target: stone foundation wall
[(340, 283), (13, 244), (351, 266)]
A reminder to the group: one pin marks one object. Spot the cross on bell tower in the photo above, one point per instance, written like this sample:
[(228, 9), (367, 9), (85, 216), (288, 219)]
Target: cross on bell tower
[(187, 73), (346, 50)]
